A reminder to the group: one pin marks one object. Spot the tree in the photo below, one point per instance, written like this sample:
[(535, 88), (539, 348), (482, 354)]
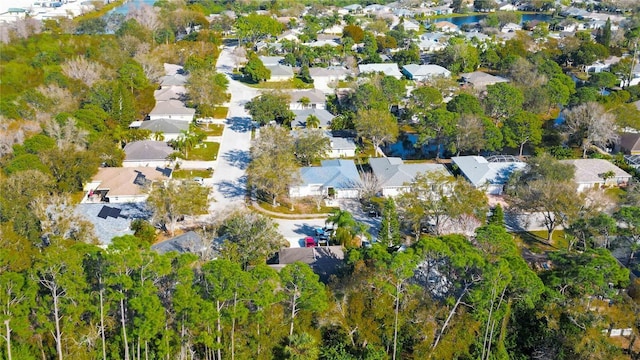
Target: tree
[(171, 201), (312, 122), (270, 106), (311, 146), (377, 125), (254, 27), (438, 125), (604, 34), (423, 99), (465, 104), (603, 80), (206, 88), (469, 135), (301, 347), (80, 68), (522, 128), (255, 69), (250, 238), (303, 290), (354, 32), (590, 125), (390, 227), (503, 101), (348, 228)]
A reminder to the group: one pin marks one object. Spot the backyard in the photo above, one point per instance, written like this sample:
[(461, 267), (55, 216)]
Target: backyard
[(205, 151)]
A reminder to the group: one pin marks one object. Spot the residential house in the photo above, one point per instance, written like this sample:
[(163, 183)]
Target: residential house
[(301, 117), (376, 8), (336, 29), (405, 13), (445, 27), (409, 25), (440, 10), (480, 80), (341, 146), (169, 128), (189, 242), (147, 153), (353, 9), (490, 174), (271, 60), (123, 184), (395, 177), (604, 65), (334, 178), (112, 219), (424, 72), (629, 143), (635, 75), (388, 69), (172, 109), (326, 78), (507, 6), (510, 27), (432, 42), (594, 173), (170, 93), (325, 261), (290, 35), (280, 72), (307, 99)]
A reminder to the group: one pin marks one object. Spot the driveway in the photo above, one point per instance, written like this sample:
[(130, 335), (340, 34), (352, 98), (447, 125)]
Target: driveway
[(229, 178)]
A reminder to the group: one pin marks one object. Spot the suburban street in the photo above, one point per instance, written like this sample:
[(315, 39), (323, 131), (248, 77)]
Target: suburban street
[(229, 177)]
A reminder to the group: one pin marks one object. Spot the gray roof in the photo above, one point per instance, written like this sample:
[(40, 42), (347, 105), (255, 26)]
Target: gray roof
[(110, 227), (280, 70), (173, 80), (189, 242), (165, 126), (147, 150), (271, 60), (589, 171), (390, 69), (324, 260), (323, 115), (393, 172), (339, 174), (479, 171), (480, 79), (328, 72), (171, 107), (315, 96), (425, 70), (341, 143)]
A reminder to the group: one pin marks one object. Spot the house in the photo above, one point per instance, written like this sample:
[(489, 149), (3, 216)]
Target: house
[(290, 35), (353, 9), (189, 242), (507, 6), (406, 13), (123, 184), (510, 27), (307, 99), (174, 76), (172, 109), (604, 65), (341, 146), (170, 93), (395, 177), (441, 10), (432, 42), (376, 8), (147, 153), (325, 261), (169, 128), (409, 25), (271, 60), (445, 27), (280, 72), (325, 78), (334, 178), (480, 80), (424, 72), (336, 29), (490, 174), (593, 173), (301, 117), (388, 69), (112, 220), (629, 143)]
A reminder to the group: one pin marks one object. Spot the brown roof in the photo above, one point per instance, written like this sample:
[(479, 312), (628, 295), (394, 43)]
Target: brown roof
[(126, 181), (630, 142)]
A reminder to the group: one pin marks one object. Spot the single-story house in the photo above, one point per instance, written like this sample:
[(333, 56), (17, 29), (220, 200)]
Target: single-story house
[(409, 25), (173, 80), (123, 184), (170, 93), (490, 173), (629, 143), (172, 109), (271, 60), (147, 153), (189, 242), (280, 72), (376, 8), (353, 8), (291, 35), (316, 99), (334, 178), (388, 69), (424, 72), (432, 42), (341, 146), (324, 260), (112, 220), (480, 80), (510, 27), (395, 177), (445, 27), (325, 78), (591, 173), (323, 115), (441, 10), (604, 65), (169, 128), (507, 6)]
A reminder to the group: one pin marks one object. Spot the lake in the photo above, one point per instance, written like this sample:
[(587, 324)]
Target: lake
[(461, 20), (124, 8)]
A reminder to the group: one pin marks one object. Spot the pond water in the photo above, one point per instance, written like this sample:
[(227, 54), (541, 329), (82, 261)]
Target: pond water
[(124, 8), (461, 20)]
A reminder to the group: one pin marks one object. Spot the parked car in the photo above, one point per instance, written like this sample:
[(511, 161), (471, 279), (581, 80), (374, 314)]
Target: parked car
[(309, 241), (199, 180), (321, 233)]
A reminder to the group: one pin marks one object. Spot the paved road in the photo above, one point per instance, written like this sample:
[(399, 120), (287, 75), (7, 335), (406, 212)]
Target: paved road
[(229, 178)]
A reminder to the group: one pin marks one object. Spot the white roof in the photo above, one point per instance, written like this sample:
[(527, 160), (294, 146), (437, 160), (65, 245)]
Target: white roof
[(390, 69), (479, 171), (426, 70)]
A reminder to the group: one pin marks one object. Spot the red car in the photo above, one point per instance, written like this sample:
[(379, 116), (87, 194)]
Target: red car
[(309, 242)]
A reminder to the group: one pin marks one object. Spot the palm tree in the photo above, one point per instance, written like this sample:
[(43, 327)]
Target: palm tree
[(302, 347), (304, 101), (313, 122), (158, 136)]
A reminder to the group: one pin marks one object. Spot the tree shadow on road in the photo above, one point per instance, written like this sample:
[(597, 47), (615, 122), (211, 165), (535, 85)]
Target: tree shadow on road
[(238, 158), (239, 124), (230, 189)]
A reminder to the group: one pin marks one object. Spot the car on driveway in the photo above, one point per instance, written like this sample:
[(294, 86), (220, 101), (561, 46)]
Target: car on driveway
[(309, 241)]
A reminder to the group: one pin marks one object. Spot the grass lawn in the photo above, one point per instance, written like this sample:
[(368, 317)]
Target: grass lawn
[(207, 151), (212, 129), (536, 241), (294, 83), (220, 112), (189, 174), (300, 207)]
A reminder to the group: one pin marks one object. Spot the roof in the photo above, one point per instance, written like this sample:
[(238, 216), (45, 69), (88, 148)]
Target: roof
[(271, 60), (127, 181), (324, 260), (426, 70), (189, 242), (328, 72), (339, 174), (341, 143), (323, 115), (630, 141), (280, 70), (444, 24), (109, 227), (479, 171), (147, 150), (169, 93), (315, 96), (171, 107), (390, 69), (589, 171), (173, 80), (393, 172), (165, 126), (481, 79)]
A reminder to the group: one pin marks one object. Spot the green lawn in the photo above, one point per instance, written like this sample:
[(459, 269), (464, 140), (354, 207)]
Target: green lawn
[(220, 112), (212, 129), (300, 207), (536, 241), (207, 151), (189, 174), (294, 83)]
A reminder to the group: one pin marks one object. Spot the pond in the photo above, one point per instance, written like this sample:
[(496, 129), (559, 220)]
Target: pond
[(125, 8), (462, 20)]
